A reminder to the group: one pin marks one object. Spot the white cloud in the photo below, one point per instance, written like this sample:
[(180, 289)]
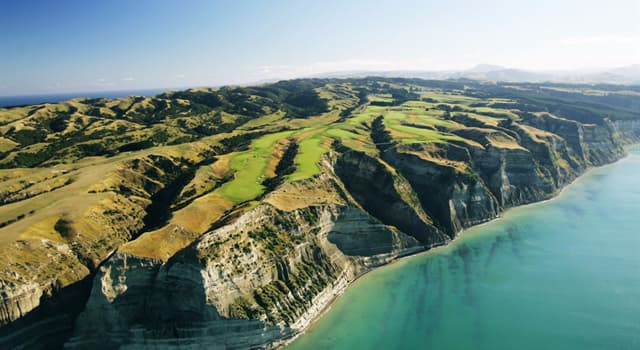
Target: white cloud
[(265, 69), (128, 79), (353, 64), (601, 40), (589, 52), (180, 76), (103, 83)]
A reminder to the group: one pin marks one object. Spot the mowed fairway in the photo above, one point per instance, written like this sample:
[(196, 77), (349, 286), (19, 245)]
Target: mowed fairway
[(250, 167), (237, 177), (416, 121), (311, 150), (410, 122)]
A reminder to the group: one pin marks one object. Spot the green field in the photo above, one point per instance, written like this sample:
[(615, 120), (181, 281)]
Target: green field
[(233, 139), (311, 151), (244, 182), (249, 169)]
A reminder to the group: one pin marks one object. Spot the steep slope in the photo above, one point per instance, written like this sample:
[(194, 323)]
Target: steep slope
[(230, 218)]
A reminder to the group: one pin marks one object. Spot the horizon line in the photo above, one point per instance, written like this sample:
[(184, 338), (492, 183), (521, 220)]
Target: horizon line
[(326, 75)]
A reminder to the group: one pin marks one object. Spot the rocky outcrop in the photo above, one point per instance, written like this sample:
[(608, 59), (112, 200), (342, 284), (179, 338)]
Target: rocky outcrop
[(591, 144), (512, 175), (454, 197), (263, 277), (251, 271), (387, 196), (41, 312), (245, 285), (628, 130), (49, 278)]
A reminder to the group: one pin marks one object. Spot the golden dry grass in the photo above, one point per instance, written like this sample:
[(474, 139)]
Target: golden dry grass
[(301, 194), (185, 226), (536, 134)]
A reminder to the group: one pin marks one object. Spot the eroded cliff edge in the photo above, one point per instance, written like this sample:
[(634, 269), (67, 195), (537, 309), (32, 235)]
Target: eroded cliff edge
[(266, 276), (169, 252)]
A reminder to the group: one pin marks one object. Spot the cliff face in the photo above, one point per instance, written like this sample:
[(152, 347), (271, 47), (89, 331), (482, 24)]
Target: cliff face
[(455, 198), (627, 130), (387, 196), (219, 293), (223, 295), (51, 275), (241, 239)]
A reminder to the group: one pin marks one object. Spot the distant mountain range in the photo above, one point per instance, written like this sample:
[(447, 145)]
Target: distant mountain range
[(628, 75)]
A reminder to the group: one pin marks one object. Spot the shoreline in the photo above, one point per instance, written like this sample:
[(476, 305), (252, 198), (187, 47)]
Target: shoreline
[(337, 293)]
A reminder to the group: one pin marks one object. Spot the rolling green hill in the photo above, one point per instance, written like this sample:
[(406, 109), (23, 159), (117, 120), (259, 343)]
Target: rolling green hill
[(232, 216)]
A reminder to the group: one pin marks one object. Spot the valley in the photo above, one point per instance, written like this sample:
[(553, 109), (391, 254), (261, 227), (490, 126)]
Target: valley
[(232, 216)]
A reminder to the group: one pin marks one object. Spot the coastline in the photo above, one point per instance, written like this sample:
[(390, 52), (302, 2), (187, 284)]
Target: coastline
[(342, 287)]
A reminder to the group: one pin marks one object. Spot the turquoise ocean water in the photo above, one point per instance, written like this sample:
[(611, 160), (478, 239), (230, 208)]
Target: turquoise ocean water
[(564, 274)]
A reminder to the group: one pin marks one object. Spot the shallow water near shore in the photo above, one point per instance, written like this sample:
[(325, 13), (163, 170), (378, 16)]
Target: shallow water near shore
[(564, 274)]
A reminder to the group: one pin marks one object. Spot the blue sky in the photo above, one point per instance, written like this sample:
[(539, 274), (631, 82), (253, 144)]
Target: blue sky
[(76, 46)]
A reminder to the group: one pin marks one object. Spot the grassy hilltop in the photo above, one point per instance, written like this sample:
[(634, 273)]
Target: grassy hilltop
[(228, 142), (149, 176)]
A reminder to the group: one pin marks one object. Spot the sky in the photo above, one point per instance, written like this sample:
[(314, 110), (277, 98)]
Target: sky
[(79, 46)]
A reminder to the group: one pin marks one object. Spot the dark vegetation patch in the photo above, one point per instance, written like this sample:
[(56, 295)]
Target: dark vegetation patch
[(380, 136), (159, 212), (184, 116), (285, 166), (64, 228)]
